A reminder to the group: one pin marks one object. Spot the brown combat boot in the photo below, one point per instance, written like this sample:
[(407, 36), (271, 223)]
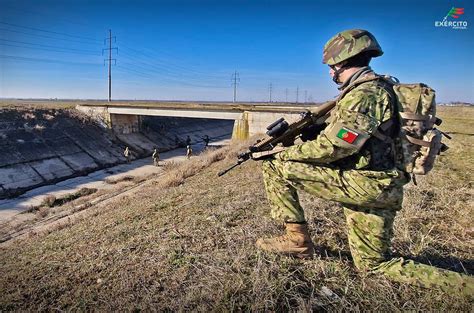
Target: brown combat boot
[(296, 242)]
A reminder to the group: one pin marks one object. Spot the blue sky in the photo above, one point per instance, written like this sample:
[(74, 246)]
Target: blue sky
[(188, 50)]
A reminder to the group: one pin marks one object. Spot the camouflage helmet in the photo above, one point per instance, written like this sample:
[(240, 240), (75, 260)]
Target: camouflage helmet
[(350, 43)]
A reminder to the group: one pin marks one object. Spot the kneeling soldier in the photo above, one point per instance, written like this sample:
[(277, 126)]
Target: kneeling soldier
[(348, 164)]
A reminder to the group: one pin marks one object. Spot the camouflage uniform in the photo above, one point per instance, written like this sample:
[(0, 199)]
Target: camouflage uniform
[(156, 157), (206, 140), (361, 176), (189, 152), (126, 154)]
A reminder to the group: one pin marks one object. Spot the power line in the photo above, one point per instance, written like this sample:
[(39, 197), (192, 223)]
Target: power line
[(235, 82), (48, 46), (169, 68), (133, 71), (156, 57), (110, 60), (36, 48), (151, 66), (44, 60), (162, 70), (270, 87), (173, 70), (49, 31), (45, 36), (47, 15), (64, 50), (171, 80), (170, 77), (150, 70)]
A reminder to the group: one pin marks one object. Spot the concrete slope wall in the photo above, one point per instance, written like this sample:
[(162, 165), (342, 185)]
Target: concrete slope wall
[(40, 146), (44, 146)]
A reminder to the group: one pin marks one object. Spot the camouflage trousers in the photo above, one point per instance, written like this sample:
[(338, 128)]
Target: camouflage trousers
[(371, 200)]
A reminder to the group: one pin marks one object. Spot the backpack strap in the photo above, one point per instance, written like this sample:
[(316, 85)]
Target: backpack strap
[(418, 142), (379, 133), (430, 120), (356, 83), (413, 116)]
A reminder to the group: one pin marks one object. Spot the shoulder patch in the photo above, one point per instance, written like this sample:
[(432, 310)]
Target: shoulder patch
[(347, 135)]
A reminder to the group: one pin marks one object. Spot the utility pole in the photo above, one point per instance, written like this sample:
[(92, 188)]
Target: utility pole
[(305, 96), (109, 60), (270, 87), (286, 95), (297, 93), (235, 82)]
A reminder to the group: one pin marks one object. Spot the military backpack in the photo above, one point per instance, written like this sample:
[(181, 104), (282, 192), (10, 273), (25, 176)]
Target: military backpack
[(418, 142)]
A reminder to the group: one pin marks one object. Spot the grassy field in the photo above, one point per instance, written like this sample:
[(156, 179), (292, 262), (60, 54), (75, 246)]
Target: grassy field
[(185, 241), (36, 104)]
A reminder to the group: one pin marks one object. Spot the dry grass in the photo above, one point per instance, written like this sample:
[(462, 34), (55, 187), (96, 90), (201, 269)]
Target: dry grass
[(48, 201), (177, 173), (113, 181), (186, 242), (52, 201), (37, 104), (42, 212)]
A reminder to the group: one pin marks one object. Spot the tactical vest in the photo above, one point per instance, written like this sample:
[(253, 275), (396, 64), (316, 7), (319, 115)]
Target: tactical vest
[(380, 152), (381, 146)]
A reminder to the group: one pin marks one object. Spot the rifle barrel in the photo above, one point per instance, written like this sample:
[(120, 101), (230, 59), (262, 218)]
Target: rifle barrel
[(230, 168)]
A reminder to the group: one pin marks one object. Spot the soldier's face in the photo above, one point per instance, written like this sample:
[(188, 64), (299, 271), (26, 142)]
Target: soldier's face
[(333, 69)]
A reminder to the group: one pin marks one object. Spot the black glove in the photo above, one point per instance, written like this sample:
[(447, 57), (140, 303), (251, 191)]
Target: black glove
[(311, 132)]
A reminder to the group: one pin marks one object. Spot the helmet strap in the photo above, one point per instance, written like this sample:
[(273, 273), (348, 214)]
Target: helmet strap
[(338, 72)]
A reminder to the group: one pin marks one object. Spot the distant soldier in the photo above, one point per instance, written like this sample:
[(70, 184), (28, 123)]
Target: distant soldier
[(126, 154), (156, 157), (188, 141), (206, 140), (189, 152)]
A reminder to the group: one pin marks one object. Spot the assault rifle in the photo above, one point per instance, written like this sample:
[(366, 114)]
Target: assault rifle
[(281, 134)]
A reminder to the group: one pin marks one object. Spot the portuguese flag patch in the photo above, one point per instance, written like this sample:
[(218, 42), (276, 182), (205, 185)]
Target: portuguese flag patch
[(347, 135)]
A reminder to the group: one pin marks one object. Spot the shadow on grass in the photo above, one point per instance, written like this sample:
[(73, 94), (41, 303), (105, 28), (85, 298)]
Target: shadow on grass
[(448, 263)]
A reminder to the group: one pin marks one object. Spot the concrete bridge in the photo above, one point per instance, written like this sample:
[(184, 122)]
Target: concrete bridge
[(250, 119)]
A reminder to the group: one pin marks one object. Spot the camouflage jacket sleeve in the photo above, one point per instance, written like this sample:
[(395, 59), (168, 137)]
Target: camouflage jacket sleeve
[(354, 119)]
